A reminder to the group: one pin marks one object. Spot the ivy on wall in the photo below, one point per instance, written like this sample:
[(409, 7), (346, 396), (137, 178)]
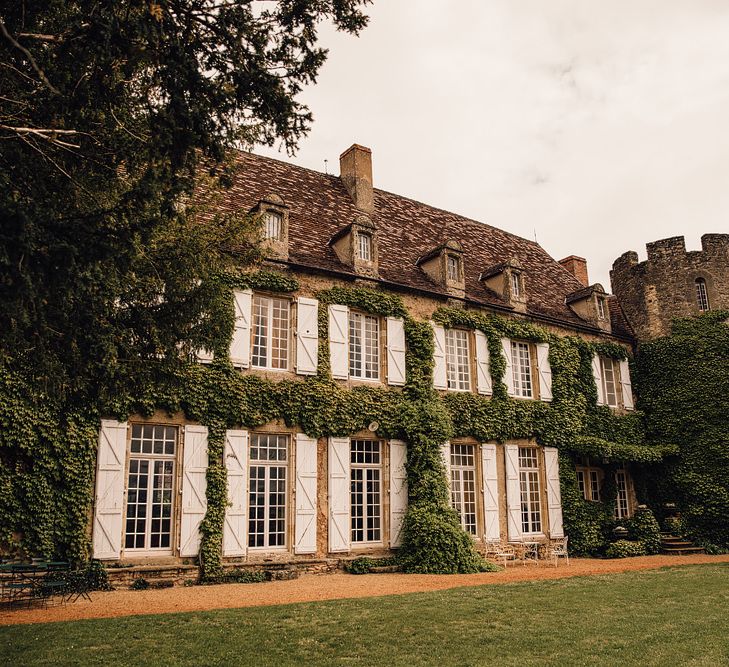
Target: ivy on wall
[(47, 450), (684, 380)]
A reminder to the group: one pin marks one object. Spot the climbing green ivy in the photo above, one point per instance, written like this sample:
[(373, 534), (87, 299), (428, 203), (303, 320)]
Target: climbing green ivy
[(47, 450)]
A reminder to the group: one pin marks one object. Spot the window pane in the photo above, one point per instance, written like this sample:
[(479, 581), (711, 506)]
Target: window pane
[(463, 485), (261, 306), (365, 246), (272, 228), (453, 268), (702, 296), (521, 369), (608, 381), (365, 491), (270, 333), (457, 360), (531, 513), (267, 490), (364, 346)]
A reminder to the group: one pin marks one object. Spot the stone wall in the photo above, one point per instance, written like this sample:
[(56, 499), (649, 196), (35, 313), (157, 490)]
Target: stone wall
[(654, 292)]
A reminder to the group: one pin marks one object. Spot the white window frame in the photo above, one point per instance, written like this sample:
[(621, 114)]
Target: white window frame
[(267, 337), (515, 285), (590, 484), (608, 367), (368, 510), (622, 499), (601, 311), (702, 295), (151, 458), (273, 227), (463, 485), (364, 246), (532, 517), (458, 360), (522, 372), (268, 465), (453, 268), (369, 346)]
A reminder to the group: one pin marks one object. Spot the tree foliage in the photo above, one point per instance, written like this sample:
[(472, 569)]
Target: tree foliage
[(115, 118)]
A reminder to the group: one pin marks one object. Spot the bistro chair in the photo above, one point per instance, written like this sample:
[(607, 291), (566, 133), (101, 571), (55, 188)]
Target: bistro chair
[(559, 550), (505, 553)]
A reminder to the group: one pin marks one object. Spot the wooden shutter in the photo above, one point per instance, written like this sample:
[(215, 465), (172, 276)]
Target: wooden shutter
[(513, 493), (508, 378), (236, 463), (307, 335), (545, 372), (306, 477), (398, 490), (597, 374), (492, 530), (445, 452), (339, 498), (554, 498), (626, 385), (439, 357), (240, 345), (109, 501), (194, 501), (339, 341), (483, 373), (395, 351)]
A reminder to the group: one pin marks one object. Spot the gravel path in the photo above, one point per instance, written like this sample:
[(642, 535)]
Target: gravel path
[(323, 587)]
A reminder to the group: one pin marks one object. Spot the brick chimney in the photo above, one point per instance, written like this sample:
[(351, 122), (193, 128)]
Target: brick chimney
[(355, 167), (577, 266)]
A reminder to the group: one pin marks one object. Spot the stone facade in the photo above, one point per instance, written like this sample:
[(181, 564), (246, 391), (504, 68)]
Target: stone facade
[(665, 286)]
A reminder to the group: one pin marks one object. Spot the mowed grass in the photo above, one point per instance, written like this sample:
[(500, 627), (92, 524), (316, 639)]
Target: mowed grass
[(675, 616)]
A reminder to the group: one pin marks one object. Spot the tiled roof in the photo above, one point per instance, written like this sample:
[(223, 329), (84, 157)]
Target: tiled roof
[(319, 207)]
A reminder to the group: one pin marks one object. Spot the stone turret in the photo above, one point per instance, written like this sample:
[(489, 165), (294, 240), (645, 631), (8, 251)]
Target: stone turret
[(671, 282)]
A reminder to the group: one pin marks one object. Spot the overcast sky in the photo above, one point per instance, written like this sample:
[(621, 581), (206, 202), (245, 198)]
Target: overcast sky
[(596, 125)]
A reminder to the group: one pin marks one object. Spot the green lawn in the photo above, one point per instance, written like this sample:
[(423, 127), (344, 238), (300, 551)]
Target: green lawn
[(677, 616)]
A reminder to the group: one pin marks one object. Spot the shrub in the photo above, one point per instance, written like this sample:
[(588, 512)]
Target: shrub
[(644, 528), (140, 584), (361, 565), (625, 549)]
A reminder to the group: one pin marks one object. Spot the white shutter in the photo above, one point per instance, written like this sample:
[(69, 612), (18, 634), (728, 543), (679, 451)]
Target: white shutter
[(445, 452), (307, 335), (490, 493), (508, 378), (483, 374), (545, 372), (554, 498), (109, 501), (398, 490), (194, 501), (626, 385), (597, 374), (236, 459), (439, 357), (513, 493), (306, 476), (339, 341), (240, 345), (339, 494), (395, 351)]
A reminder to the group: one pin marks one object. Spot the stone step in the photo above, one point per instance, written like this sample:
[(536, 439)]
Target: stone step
[(682, 550)]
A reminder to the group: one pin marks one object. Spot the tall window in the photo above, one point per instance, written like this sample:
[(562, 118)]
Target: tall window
[(364, 246), (267, 491), (622, 509), (364, 346), (588, 480), (366, 491), (453, 265), (702, 296), (458, 368), (531, 507), (609, 381), (270, 333), (601, 312), (463, 485), (515, 285), (150, 487), (273, 225), (521, 368)]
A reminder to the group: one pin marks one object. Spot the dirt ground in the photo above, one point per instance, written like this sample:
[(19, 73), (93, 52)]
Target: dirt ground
[(310, 588)]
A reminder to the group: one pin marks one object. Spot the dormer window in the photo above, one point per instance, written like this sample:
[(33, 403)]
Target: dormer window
[(454, 268), (702, 296), (601, 312), (364, 246), (273, 225), (515, 285)]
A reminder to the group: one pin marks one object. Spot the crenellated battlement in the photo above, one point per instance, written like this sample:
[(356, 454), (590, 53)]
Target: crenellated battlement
[(669, 283)]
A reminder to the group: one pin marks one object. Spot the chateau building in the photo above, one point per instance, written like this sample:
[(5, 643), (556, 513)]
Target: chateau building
[(297, 498)]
